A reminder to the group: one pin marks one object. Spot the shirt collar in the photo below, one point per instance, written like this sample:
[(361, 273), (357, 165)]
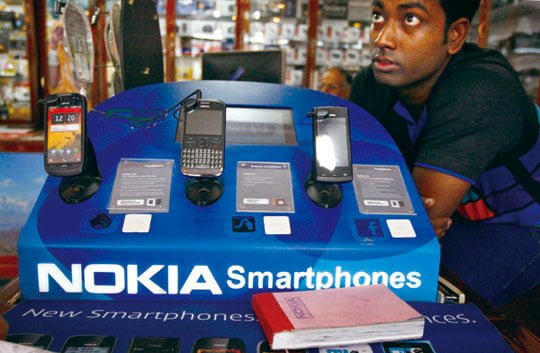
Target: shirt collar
[(415, 127)]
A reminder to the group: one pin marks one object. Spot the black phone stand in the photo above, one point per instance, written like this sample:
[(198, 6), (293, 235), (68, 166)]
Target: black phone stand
[(324, 195), (203, 191), (75, 189)]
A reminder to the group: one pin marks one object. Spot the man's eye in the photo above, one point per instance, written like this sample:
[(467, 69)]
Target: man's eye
[(412, 20), (376, 17)]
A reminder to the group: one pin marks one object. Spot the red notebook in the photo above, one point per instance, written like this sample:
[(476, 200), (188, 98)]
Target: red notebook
[(334, 317)]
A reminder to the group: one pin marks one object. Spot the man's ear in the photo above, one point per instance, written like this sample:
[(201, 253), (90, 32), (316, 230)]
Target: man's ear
[(457, 35)]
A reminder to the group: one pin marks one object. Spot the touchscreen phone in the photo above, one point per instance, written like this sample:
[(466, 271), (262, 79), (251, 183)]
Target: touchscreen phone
[(331, 144), (407, 347), (264, 347), (65, 134), (31, 339), (154, 345), (89, 344), (219, 345)]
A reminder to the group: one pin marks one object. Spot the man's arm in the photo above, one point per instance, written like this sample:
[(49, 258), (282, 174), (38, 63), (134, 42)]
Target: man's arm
[(445, 190)]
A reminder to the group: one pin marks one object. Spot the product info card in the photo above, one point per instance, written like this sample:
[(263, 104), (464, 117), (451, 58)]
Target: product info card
[(264, 187), (380, 189), (141, 185)]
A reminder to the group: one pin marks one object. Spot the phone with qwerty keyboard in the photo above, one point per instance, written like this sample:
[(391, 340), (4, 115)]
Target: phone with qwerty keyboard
[(203, 143)]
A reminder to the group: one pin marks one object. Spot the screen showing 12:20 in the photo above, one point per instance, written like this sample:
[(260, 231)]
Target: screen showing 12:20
[(64, 135)]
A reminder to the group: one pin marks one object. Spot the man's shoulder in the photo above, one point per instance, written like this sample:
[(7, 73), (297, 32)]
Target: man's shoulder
[(472, 59), (477, 75)]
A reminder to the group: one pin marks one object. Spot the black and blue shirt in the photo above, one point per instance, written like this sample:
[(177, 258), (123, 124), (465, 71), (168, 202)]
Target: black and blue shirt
[(477, 118)]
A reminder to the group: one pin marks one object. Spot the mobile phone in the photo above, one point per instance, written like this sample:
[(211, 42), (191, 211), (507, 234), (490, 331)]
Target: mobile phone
[(154, 345), (407, 347), (264, 347), (89, 344), (31, 339), (219, 345), (332, 144), (203, 143), (65, 134)]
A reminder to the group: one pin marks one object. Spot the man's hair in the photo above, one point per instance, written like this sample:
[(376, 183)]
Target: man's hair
[(454, 9)]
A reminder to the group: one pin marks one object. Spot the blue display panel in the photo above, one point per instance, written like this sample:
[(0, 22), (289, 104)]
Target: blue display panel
[(209, 252), (449, 328)]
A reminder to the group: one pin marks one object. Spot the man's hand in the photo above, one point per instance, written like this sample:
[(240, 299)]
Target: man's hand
[(440, 224)]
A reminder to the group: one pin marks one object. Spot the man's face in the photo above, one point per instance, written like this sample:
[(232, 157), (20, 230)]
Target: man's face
[(333, 82), (408, 42)]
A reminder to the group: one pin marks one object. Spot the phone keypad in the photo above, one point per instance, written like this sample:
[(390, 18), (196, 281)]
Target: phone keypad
[(207, 158)]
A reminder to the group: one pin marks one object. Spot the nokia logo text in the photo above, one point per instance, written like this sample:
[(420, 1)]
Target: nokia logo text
[(128, 279)]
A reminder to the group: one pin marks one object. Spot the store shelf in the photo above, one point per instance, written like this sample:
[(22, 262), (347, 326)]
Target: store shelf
[(14, 78), (519, 18), (341, 35)]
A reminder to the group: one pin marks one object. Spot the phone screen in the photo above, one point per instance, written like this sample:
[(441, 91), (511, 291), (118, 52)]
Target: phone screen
[(64, 135), (331, 140), (204, 122), (205, 350)]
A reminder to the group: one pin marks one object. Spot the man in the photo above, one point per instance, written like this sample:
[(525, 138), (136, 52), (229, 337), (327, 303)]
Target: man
[(336, 81), (3, 328), (461, 119)]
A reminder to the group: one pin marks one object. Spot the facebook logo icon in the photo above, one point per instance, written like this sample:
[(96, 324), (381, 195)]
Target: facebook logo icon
[(368, 227)]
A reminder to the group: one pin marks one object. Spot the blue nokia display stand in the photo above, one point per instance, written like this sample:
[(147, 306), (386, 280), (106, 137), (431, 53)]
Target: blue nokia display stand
[(244, 242)]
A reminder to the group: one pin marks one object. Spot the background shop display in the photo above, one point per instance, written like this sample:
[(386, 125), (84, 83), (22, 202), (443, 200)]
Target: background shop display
[(14, 76), (209, 25)]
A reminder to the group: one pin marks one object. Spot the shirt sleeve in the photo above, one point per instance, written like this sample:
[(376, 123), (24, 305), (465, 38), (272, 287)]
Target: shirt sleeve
[(473, 116)]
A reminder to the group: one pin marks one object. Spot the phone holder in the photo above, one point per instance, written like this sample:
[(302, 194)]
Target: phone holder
[(203, 191), (78, 188), (324, 195)]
